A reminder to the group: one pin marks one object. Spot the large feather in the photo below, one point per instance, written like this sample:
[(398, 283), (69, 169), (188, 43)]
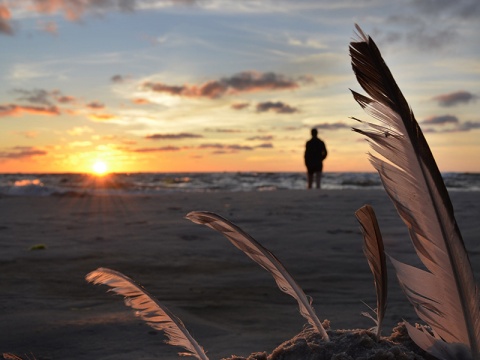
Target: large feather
[(446, 296), (264, 258), (149, 309), (374, 252)]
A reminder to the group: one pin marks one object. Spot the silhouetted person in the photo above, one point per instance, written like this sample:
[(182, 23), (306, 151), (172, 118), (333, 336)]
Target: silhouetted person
[(315, 153)]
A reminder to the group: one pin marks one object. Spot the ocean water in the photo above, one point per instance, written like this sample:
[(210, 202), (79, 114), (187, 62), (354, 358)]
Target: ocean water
[(157, 183)]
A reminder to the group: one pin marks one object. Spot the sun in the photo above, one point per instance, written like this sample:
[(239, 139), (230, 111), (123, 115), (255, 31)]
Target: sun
[(99, 168)]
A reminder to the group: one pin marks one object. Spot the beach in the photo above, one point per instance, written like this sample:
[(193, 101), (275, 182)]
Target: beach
[(227, 302)]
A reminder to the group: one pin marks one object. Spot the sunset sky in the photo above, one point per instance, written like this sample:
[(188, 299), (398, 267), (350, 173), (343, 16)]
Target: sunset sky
[(217, 85)]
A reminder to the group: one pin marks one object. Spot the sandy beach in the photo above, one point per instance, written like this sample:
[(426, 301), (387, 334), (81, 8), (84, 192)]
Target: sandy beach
[(228, 303)]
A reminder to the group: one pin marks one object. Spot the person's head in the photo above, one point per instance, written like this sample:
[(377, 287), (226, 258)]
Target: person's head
[(314, 132)]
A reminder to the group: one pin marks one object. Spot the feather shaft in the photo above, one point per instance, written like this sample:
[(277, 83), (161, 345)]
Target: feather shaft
[(264, 258), (149, 309), (413, 182)]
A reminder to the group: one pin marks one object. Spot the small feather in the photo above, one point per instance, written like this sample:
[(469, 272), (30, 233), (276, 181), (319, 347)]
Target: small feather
[(374, 252), (264, 258), (149, 309)]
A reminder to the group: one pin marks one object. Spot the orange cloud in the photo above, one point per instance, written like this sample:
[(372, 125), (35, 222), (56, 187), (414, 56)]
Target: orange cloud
[(15, 110), (140, 101), (240, 106), (5, 16), (101, 117)]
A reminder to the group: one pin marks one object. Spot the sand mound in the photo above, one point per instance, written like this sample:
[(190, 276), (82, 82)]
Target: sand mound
[(357, 344)]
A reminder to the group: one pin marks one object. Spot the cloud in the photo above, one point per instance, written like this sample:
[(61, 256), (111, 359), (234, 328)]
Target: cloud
[(28, 134), (5, 16), (35, 96), (231, 131), (469, 125), (262, 138), (22, 152), (264, 146), (74, 10), (331, 126), (455, 98), (277, 107), (65, 99), (140, 101), (77, 131), (245, 82), (42, 96), (101, 116), (158, 149), (95, 105), (173, 136), (15, 110), (118, 79), (440, 120), (240, 106), (224, 149)]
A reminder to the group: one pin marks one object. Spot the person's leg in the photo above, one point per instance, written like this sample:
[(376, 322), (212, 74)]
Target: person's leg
[(318, 178), (309, 179)]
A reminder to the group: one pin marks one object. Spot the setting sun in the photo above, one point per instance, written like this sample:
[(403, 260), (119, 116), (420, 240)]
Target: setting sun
[(99, 168)]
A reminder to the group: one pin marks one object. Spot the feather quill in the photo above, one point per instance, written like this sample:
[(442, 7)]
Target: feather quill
[(264, 258), (374, 252), (446, 296), (149, 309)]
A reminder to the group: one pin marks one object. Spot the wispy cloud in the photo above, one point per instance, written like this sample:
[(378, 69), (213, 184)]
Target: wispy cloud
[(245, 82), (42, 96), (277, 107), (261, 138), (22, 152), (157, 149), (79, 130), (440, 120), (240, 106), (95, 105), (220, 130), (99, 117), (331, 126), (15, 110), (140, 101), (173, 136), (118, 79), (448, 124), (455, 98)]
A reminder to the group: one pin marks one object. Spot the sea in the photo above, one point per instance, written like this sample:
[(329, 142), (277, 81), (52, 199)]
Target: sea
[(160, 183)]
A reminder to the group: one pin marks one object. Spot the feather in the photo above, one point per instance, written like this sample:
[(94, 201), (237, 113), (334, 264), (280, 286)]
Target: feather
[(149, 309), (264, 258), (449, 302), (375, 254)]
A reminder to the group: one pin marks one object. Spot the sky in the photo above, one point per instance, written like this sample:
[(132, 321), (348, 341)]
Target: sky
[(225, 85)]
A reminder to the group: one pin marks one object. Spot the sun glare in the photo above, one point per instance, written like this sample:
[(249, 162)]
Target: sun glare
[(99, 168)]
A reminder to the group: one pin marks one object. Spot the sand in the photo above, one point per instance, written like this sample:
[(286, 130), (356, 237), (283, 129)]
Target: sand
[(229, 304)]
